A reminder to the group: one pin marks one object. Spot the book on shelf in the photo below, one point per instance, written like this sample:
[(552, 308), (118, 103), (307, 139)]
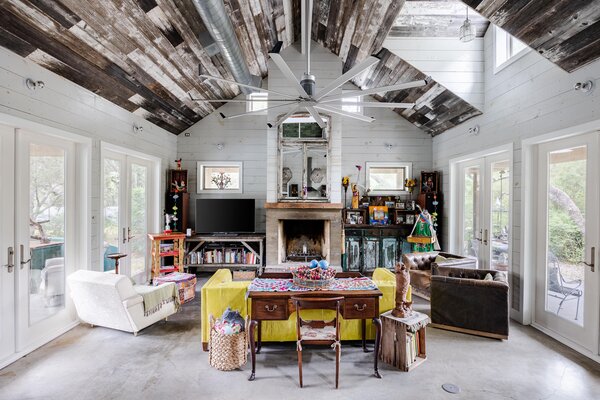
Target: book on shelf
[(412, 348), (221, 256)]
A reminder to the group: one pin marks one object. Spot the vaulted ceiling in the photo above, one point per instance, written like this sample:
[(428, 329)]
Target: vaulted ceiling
[(566, 32), (143, 55)]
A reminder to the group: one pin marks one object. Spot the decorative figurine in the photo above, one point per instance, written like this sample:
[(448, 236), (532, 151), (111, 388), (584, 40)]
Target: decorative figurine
[(168, 219), (178, 164), (355, 196), (403, 308)]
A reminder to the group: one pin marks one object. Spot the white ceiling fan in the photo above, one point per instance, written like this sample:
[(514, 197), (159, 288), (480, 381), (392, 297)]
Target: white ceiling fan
[(308, 99)]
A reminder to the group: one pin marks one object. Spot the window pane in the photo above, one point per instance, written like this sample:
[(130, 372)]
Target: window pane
[(566, 224), (317, 171), (471, 212), (292, 165), (112, 180), (290, 130), (500, 208), (259, 103), (47, 191), (139, 207), (387, 178), (310, 130)]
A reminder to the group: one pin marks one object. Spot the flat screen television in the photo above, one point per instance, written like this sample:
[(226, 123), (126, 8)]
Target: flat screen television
[(224, 215)]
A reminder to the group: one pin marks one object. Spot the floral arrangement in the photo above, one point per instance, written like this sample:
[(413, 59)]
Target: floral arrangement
[(346, 182), (410, 183)]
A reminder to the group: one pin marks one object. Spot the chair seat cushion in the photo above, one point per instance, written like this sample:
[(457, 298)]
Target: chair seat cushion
[(310, 333)]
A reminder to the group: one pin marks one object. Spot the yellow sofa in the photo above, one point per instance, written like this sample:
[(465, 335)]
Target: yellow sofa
[(220, 292)]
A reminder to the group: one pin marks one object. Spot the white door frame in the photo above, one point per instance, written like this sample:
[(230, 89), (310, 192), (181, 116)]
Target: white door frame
[(154, 191), (7, 240), (528, 226), (455, 192), (83, 199)]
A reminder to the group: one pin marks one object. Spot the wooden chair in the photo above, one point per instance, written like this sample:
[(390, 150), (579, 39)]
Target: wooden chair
[(318, 332)]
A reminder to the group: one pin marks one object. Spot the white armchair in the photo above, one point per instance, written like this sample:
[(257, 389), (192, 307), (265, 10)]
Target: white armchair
[(52, 285), (110, 300)]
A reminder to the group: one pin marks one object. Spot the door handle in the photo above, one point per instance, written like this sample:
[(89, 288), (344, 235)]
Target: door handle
[(129, 237), (480, 236), (23, 263), (10, 264), (592, 263), (485, 238)]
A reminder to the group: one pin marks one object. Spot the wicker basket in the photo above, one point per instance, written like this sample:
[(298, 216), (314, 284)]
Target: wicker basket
[(227, 352)]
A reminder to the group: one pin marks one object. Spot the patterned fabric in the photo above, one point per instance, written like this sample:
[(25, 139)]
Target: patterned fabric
[(287, 285), (310, 333)]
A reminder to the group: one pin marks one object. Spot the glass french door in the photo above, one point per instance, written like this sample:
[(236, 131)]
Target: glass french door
[(127, 217), (45, 233), (484, 211), (567, 282)]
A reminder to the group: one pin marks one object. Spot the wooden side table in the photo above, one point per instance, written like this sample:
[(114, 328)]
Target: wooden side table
[(403, 340), (116, 257)]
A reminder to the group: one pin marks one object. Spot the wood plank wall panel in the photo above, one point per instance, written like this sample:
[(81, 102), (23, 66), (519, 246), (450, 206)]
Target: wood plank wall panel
[(355, 29), (566, 32), (142, 55)]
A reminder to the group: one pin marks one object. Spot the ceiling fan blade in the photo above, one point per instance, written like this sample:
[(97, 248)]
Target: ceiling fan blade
[(350, 74), (316, 116), (261, 111), (284, 117), (383, 89), (237, 100), (374, 104), (344, 113), (216, 78), (287, 72)]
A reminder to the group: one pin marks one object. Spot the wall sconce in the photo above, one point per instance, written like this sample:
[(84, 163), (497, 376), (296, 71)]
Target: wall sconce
[(34, 85), (585, 87), (473, 131), (138, 129), (220, 146)]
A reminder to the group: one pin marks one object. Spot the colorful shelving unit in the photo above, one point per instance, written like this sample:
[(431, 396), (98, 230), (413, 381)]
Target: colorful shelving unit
[(167, 247)]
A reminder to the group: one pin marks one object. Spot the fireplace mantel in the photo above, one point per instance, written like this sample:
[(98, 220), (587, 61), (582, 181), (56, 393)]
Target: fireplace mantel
[(304, 205)]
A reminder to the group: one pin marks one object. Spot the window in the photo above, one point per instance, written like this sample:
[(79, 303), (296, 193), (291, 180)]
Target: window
[(304, 165), (350, 104), (219, 177), (507, 49), (387, 178), (259, 101)]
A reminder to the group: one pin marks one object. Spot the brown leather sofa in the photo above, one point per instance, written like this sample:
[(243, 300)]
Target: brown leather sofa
[(462, 301), (420, 266)]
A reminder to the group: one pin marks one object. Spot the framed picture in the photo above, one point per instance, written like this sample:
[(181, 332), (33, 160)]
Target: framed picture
[(401, 205), (219, 177), (429, 181), (410, 205), (378, 215), (399, 219), (389, 204), (353, 217), (285, 189), (410, 219), (387, 178)]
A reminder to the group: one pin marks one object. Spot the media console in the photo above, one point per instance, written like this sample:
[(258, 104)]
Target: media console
[(210, 252)]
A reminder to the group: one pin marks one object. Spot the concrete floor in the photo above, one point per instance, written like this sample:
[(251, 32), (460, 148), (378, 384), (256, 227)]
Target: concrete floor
[(166, 362)]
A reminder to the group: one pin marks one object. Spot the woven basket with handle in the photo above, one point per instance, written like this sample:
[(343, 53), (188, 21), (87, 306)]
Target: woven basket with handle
[(227, 352)]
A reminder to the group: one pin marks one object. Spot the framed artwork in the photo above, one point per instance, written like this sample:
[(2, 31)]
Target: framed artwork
[(410, 219), (410, 205), (399, 219), (387, 178), (219, 177), (294, 190), (401, 205), (429, 181), (389, 204), (378, 215), (353, 217)]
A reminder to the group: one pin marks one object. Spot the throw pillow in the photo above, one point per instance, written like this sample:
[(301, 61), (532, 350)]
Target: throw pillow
[(488, 277), (439, 259)]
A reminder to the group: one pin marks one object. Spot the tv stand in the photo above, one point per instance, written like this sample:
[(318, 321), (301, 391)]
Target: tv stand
[(210, 252)]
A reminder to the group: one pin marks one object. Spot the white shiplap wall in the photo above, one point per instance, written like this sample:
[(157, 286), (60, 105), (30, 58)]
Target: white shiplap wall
[(64, 105), (367, 142), (456, 65), (244, 139), (530, 97)]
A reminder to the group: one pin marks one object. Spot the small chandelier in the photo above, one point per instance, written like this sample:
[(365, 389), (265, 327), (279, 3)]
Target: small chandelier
[(467, 30)]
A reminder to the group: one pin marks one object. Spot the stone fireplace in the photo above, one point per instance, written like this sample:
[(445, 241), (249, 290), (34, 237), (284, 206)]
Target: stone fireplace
[(300, 232)]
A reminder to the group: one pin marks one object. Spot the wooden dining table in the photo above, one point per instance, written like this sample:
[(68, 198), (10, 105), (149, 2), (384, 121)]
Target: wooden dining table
[(278, 306)]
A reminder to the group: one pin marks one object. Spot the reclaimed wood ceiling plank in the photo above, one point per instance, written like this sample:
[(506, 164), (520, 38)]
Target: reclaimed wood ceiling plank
[(563, 31)]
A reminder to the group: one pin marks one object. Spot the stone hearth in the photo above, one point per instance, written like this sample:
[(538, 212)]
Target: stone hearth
[(280, 215)]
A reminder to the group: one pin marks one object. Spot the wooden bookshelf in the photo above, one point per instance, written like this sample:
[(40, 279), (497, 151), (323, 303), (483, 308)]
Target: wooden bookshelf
[(210, 252), (175, 243)]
